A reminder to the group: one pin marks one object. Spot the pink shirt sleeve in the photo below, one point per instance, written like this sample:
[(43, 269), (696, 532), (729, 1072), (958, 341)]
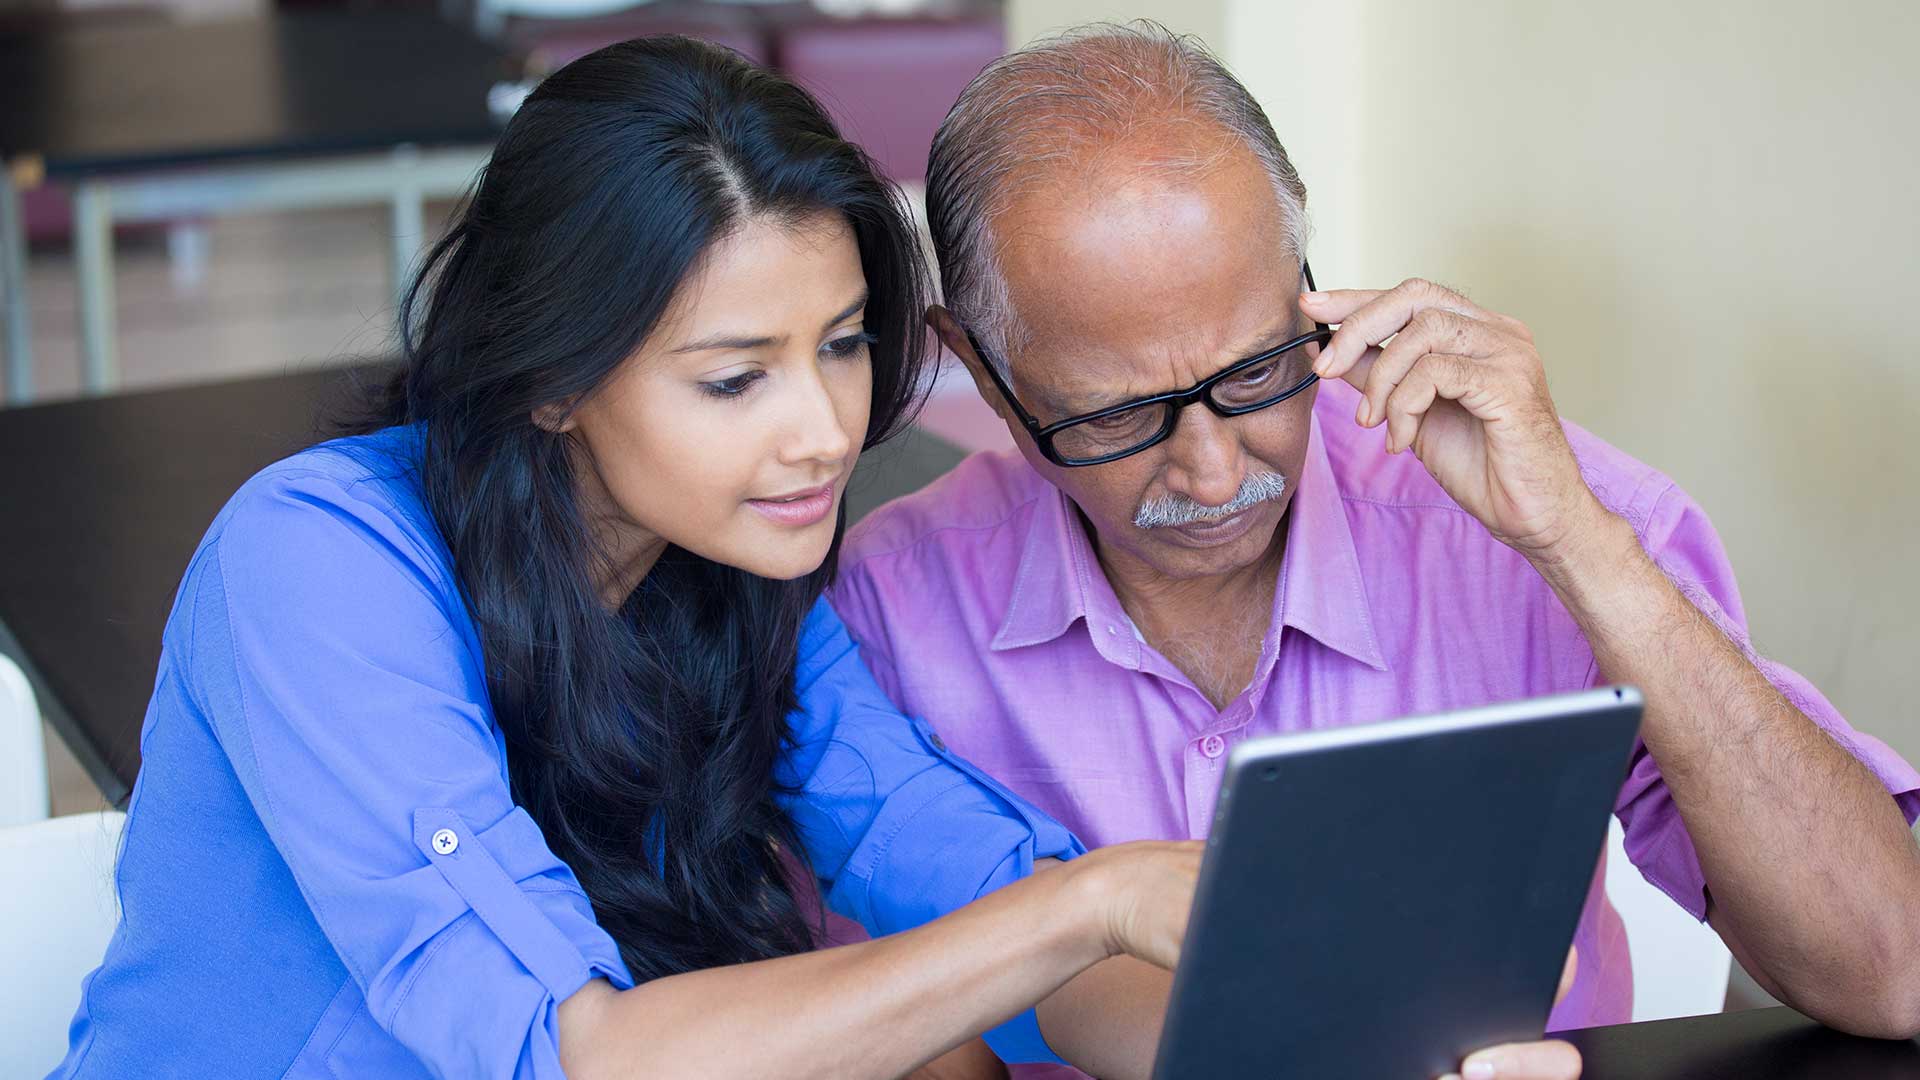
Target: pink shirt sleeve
[(1683, 543)]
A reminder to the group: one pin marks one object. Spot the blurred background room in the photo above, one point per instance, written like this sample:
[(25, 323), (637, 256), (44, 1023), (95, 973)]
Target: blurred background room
[(1705, 211)]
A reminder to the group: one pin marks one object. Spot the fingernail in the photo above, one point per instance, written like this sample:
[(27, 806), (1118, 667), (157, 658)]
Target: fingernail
[(1478, 1070), (1313, 297)]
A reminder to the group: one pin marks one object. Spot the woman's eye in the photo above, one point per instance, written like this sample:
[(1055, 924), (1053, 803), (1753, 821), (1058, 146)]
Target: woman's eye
[(850, 346), (733, 386)]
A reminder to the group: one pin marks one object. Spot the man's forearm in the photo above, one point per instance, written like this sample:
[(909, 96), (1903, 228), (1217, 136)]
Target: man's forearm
[(1814, 875)]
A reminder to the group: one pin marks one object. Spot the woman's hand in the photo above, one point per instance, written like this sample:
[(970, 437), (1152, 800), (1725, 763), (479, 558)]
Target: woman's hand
[(1141, 894)]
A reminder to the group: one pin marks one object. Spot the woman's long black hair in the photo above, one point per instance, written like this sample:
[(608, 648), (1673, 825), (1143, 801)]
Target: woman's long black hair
[(643, 743)]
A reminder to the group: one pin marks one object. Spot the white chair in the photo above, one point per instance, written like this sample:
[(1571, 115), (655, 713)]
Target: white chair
[(57, 911), (1680, 966), (23, 750)]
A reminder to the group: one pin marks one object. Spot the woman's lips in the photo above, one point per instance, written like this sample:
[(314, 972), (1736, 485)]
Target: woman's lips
[(797, 511)]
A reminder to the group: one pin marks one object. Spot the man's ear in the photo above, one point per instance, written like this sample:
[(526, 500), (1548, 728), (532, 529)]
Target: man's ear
[(555, 417), (947, 328)]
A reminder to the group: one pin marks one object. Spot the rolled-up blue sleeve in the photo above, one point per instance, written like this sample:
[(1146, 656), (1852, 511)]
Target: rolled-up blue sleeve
[(898, 829), (329, 647)]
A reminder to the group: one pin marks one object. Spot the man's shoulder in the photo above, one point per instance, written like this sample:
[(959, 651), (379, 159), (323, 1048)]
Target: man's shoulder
[(986, 494)]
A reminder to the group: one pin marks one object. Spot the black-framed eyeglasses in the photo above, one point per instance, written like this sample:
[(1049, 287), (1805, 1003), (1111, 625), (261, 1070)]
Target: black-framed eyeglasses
[(1123, 430)]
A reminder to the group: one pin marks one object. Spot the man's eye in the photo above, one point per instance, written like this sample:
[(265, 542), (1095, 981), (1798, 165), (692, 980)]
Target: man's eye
[(1261, 373), (1117, 421), (733, 386)]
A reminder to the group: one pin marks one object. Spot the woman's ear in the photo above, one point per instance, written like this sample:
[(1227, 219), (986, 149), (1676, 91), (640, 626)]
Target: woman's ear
[(554, 417)]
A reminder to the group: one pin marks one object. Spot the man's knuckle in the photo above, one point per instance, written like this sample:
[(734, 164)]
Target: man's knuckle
[(1453, 368)]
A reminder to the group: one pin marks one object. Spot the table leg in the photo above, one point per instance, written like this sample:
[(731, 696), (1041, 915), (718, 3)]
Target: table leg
[(93, 261), (408, 221), (13, 294)]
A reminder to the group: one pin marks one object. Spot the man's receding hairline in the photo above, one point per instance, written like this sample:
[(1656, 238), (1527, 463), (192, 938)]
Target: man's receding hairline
[(1149, 178), (1048, 113)]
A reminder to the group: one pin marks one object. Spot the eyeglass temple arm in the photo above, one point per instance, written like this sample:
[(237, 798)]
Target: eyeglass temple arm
[(980, 353)]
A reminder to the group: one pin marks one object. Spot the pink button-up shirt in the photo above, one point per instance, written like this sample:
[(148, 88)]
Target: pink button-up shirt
[(982, 608)]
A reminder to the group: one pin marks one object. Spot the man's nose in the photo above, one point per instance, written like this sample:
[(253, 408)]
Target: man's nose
[(1204, 459)]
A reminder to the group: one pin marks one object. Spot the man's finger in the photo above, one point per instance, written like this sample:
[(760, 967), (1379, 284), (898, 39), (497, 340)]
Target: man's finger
[(1368, 318), (1334, 305), (1431, 332), (1408, 404), (1547, 1060), (1362, 369)]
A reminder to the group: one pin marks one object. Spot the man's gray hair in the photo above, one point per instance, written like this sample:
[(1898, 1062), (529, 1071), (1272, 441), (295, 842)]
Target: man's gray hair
[(1052, 102)]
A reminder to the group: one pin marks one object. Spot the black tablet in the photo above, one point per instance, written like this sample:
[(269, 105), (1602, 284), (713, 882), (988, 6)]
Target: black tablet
[(1381, 900)]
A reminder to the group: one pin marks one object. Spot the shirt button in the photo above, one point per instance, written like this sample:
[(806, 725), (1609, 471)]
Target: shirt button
[(938, 743), (446, 842), (1213, 746)]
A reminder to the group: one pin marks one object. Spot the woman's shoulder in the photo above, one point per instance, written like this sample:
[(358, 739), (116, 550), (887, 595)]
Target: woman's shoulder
[(824, 644), (342, 501), (374, 475)]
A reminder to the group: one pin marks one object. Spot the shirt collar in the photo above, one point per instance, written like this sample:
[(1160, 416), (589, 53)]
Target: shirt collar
[(1059, 580), (1320, 593)]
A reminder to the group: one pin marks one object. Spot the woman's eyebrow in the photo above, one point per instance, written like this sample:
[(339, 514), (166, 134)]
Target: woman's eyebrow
[(848, 311), (725, 340)]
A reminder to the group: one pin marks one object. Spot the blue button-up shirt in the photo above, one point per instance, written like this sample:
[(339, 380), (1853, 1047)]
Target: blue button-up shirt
[(324, 871)]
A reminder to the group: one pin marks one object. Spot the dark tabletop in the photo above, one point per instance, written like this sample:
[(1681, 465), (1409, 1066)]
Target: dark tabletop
[(105, 500), (97, 97), (1763, 1044)]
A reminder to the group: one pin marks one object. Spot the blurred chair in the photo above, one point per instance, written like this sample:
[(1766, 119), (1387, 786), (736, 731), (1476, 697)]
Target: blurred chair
[(549, 34), (23, 750), (57, 912), (489, 16), (1680, 965), (889, 81)]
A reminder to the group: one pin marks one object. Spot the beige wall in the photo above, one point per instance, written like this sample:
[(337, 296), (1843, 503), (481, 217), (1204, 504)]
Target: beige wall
[(1709, 214)]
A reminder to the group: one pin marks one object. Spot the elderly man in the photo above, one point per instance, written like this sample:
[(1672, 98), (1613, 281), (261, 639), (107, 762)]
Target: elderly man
[(1197, 543)]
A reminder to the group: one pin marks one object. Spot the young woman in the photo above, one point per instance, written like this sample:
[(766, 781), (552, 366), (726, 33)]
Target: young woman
[(511, 733)]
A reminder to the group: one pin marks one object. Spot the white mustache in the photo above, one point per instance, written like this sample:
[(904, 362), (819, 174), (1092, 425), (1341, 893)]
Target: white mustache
[(1173, 510)]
